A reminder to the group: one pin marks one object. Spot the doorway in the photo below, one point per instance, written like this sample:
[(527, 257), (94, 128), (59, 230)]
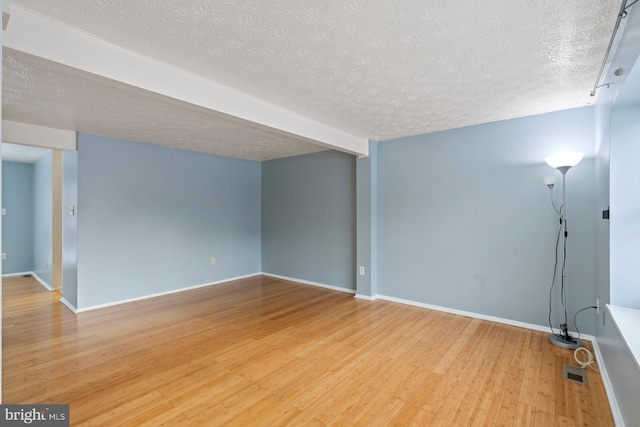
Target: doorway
[(32, 213)]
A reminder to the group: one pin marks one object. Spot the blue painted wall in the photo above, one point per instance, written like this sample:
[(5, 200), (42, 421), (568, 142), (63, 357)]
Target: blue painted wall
[(602, 265), (150, 218), (465, 222), (43, 221), (308, 218), (625, 205), (70, 227), (17, 225), (367, 222), (619, 241)]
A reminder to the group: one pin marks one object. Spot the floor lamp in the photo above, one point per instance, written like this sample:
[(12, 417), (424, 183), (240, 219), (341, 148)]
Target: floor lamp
[(563, 162)]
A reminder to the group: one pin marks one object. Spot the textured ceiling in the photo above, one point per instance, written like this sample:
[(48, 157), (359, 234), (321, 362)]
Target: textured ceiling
[(22, 153), (39, 92), (382, 69)]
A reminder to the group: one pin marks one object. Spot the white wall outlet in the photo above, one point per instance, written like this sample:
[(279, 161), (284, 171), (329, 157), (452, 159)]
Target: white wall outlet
[(598, 305), (213, 260), (4, 256), (361, 270), (4, 211)]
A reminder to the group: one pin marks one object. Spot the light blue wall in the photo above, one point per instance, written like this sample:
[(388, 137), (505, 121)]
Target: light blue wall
[(367, 222), (620, 155), (43, 221), (602, 197), (70, 227), (308, 218), (465, 222), (150, 218), (17, 224), (625, 206)]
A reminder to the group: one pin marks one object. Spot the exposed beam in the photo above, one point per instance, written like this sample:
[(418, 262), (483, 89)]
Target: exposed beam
[(6, 14), (38, 136), (45, 38)]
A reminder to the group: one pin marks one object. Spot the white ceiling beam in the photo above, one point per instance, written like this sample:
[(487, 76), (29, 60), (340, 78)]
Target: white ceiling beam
[(45, 38), (38, 136), (6, 13)]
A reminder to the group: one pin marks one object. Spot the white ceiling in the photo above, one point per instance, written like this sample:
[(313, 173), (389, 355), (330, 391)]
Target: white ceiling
[(373, 69), (22, 153), (51, 95)]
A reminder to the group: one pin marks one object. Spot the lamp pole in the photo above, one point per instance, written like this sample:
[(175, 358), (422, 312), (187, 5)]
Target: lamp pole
[(564, 339), (563, 217)]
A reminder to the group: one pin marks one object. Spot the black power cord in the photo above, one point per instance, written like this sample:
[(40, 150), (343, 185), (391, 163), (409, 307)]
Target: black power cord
[(576, 316), (564, 327), (553, 281)]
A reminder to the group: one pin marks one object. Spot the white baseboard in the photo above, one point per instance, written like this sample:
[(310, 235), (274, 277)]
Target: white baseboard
[(42, 282), (510, 322), (24, 273), (69, 305), (502, 320), (34, 275), (307, 282), (366, 297), (608, 387), (173, 291)]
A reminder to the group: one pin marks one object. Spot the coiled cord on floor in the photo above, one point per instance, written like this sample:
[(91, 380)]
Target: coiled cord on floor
[(590, 362)]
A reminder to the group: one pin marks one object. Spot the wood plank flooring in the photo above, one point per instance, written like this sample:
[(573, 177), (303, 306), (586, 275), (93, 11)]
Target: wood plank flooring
[(267, 352)]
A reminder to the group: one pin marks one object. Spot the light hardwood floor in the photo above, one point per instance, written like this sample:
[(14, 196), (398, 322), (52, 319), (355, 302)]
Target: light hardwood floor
[(263, 351)]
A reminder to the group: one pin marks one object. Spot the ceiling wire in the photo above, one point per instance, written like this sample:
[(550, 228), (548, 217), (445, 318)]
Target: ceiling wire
[(622, 14), (631, 4)]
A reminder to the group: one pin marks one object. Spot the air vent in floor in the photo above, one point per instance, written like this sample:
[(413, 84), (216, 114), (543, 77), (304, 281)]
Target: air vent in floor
[(575, 374)]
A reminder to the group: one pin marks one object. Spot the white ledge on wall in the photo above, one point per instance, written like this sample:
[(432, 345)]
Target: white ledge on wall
[(628, 322)]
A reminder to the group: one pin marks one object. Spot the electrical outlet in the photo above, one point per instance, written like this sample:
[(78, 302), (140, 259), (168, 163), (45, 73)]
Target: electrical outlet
[(4, 211), (213, 260), (361, 270), (598, 305), (4, 256)]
